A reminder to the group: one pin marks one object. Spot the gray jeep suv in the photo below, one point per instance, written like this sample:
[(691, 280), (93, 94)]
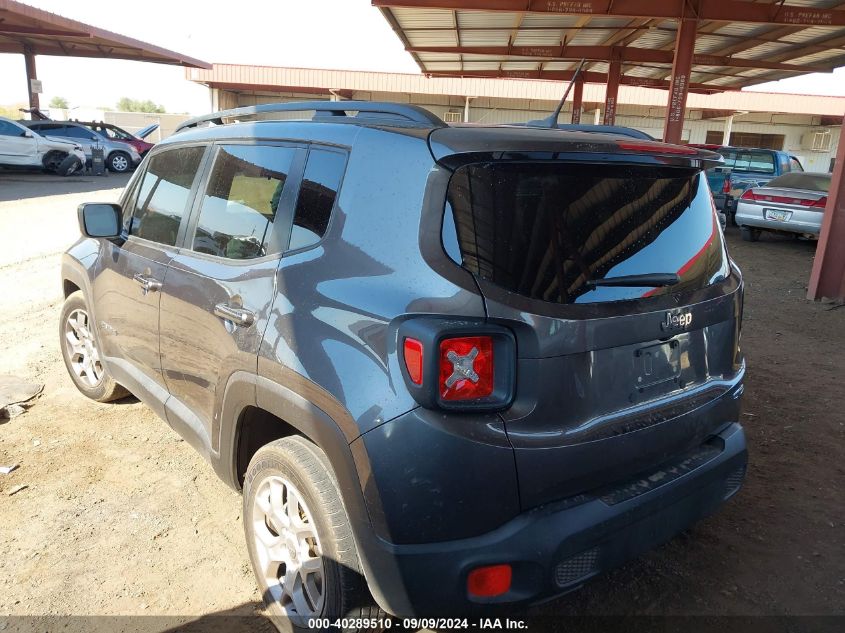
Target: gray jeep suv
[(452, 369)]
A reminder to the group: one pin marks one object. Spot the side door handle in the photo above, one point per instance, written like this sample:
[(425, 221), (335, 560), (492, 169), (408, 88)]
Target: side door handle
[(148, 284), (239, 316)]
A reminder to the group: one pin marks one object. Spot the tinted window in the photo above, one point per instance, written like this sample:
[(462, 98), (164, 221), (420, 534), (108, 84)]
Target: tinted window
[(802, 180), (241, 201), (48, 128), (317, 194), (9, 129), (73, 131), (163, 194), (544, 230)]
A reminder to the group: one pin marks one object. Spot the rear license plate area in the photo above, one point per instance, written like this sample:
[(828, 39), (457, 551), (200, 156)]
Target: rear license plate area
[(777, 215), (657, 364)]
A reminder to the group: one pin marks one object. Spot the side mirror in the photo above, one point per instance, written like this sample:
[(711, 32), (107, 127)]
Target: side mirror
[(99, 219), (26, 133)]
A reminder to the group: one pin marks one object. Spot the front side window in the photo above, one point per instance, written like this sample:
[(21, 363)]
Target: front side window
[(72, 131), (545, 230), (794, 165), (241, 201), (163, 194), (10, 129), (317, 194)]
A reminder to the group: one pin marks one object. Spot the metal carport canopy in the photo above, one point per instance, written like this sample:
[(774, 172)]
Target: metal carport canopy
[(30, 32), (682, 46)]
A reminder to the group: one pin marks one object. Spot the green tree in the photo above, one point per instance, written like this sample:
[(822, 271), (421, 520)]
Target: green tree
[(59, 102), (125, 104)]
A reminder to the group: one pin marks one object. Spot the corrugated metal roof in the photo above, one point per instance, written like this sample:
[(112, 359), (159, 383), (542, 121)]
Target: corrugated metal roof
[(801, 43)]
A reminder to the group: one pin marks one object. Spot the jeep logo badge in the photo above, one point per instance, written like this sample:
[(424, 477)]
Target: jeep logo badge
[(676, 321)]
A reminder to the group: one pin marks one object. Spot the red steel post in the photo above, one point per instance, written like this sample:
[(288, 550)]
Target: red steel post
[(578, 99), (828, 277), (679, 83), (614, 73)]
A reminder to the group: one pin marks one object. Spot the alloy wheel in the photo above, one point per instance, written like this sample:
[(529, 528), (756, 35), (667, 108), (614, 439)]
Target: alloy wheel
[(288, 548), (82, 348)]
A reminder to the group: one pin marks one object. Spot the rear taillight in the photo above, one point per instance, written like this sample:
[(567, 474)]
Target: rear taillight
[(726, 185), (466, 368), (748, 195), (458, 364), (821, 203)]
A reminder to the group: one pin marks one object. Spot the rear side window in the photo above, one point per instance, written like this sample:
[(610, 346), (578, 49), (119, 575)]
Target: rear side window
[(317, 195), (242, 200), (543, 230), (163, 194), (758, 162), (794, 165)]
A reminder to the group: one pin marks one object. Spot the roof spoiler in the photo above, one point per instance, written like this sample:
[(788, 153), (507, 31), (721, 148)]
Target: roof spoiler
[(326, 109)]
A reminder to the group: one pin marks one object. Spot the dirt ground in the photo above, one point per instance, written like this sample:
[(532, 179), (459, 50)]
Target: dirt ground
[(121, 517)]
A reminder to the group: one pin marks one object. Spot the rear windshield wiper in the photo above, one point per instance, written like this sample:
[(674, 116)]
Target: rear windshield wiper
[(655, 280)]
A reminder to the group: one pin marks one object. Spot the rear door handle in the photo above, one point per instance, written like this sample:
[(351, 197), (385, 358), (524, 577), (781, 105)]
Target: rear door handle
[(239, 316), (148, 284)]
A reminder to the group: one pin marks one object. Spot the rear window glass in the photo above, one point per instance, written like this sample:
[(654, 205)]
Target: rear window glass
[(741, 160), (802, 180), (543, 230)]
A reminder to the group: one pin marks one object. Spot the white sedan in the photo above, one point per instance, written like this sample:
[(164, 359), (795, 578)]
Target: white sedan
[(792, 203)]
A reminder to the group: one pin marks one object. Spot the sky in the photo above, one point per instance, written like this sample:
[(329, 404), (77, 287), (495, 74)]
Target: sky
[(338, 34)]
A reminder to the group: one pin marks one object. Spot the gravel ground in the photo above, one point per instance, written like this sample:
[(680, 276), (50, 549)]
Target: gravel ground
[(121, 517)]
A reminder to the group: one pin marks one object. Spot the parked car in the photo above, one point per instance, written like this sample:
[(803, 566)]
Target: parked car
[(120, 157), (22, 147), (792, 203), (745, 168), (450, 368), (119, 134)]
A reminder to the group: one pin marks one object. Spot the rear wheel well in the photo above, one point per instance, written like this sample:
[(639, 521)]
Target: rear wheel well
[(257, 428), (68, 287)]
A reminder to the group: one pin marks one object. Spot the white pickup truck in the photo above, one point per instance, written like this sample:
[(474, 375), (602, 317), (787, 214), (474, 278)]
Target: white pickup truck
[(22, 147)]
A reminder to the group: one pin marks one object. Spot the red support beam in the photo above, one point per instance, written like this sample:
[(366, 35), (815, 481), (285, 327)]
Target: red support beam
[(611, 95), (607, 53), (578, 99), (828, 277), (29, 61), (732, 11), (676, 106)]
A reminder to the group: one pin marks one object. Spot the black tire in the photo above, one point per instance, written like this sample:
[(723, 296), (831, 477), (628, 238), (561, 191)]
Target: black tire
[(749, 234), (70, 165), (53, 159), (119, 162), (104, 388), (306, 468)]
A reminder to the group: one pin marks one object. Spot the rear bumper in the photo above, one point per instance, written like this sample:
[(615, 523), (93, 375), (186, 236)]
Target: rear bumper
[(555, 548), (801, 221)]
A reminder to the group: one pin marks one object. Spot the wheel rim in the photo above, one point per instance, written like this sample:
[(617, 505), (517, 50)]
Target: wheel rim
[(82, 349), (120, 163), (288, 548)]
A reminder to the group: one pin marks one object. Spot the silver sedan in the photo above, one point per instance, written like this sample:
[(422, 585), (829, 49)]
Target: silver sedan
[(792, 203)]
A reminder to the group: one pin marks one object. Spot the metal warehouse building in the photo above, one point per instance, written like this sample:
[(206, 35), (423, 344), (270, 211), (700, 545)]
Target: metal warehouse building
[(805, 125)]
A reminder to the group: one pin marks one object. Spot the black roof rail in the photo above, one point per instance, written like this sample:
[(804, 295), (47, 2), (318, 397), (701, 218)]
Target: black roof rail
[(325, 109)]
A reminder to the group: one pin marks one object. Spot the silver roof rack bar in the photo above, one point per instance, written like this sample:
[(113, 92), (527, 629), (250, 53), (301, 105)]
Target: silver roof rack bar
[(324, 109)]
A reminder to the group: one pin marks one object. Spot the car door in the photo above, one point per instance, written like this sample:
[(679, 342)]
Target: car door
[(131, 272), (15, 147), (83, 136), (219, 288)]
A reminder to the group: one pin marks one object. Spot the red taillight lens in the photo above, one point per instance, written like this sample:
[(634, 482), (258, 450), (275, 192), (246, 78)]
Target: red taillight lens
[(466, 368), (821, 203), (748, 194), (414, 360), (490, 581), (726, 185)]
